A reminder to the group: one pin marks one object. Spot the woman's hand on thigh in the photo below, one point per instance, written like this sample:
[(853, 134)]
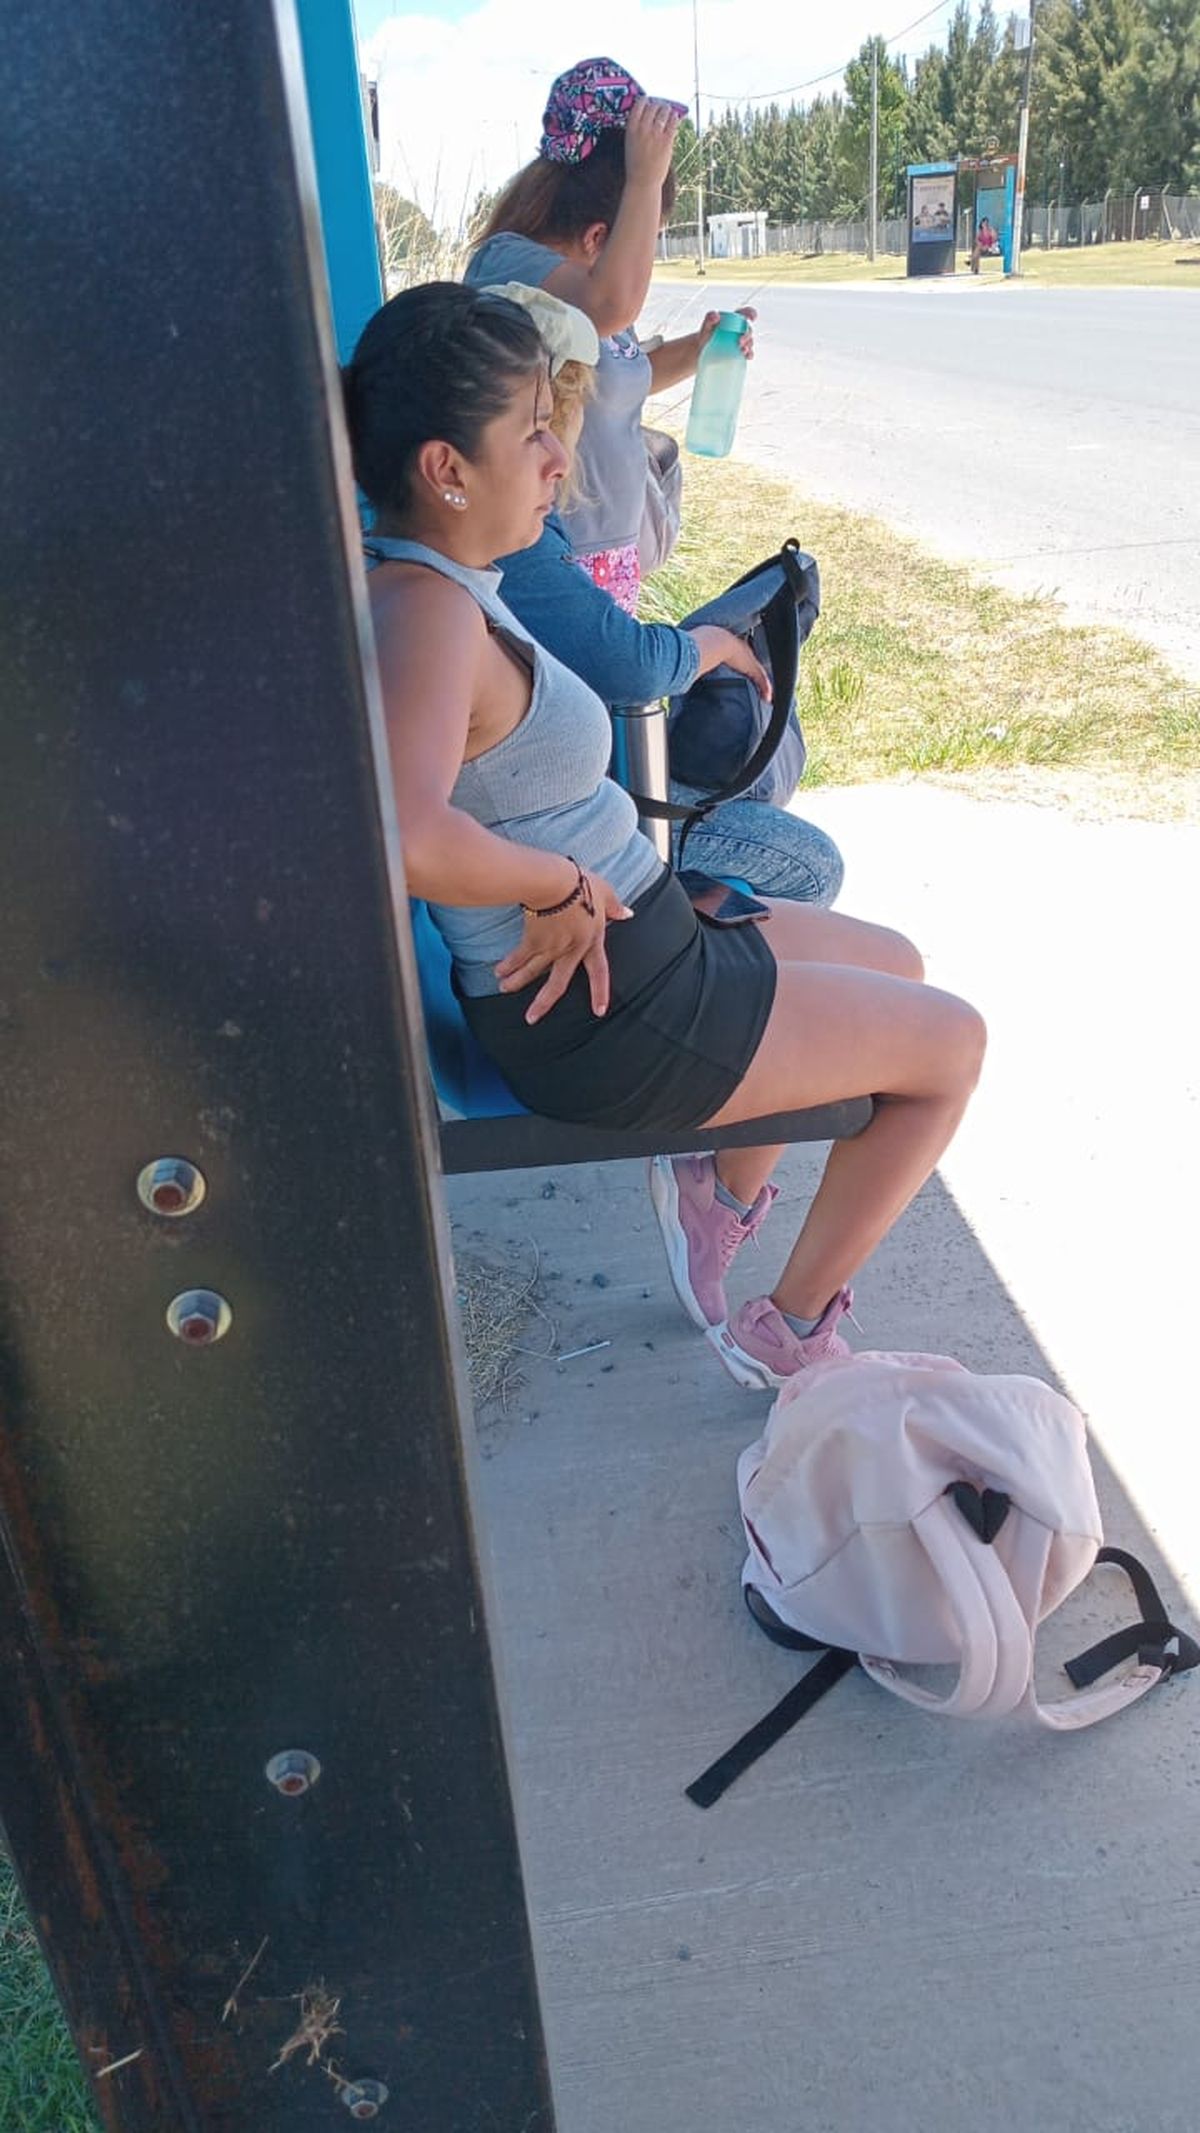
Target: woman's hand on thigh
[(555, 947)]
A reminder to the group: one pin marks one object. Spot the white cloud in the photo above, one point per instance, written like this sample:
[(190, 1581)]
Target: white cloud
[(461, 102)]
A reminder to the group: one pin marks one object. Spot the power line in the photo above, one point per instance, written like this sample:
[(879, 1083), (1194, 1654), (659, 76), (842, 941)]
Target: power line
[(768, 96)]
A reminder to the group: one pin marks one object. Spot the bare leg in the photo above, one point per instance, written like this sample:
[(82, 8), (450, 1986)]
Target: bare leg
[(797, 933), (836, 1032)]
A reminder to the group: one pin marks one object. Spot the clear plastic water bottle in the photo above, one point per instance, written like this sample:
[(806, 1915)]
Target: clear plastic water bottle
[(717, 392)]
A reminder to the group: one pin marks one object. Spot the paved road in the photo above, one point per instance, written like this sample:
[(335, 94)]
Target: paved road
[(1052, 436)]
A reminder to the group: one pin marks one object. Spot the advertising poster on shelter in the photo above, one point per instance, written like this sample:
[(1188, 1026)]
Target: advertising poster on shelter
[(933, 209)]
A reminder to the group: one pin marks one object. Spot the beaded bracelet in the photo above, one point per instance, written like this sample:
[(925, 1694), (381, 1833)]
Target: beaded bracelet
[(581, 893)]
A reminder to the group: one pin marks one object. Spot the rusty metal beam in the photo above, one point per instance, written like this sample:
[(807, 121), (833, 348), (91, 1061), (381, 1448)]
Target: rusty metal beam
[(219, 1550)]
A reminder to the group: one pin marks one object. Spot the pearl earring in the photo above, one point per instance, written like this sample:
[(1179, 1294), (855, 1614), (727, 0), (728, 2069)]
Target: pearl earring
[(455, 498)]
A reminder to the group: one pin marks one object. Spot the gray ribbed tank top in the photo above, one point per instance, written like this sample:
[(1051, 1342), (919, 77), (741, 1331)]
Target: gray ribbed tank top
[(543, 785)]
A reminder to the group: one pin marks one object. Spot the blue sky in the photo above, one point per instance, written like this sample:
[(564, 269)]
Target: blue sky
[(462, 83)]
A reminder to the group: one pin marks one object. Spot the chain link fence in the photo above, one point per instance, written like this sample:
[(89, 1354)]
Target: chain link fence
[(1120, 218)]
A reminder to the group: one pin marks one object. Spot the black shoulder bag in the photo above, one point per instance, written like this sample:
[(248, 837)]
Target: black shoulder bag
[(723, 740)]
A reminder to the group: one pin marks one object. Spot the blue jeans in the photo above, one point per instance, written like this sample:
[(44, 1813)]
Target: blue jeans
[(777, 853)]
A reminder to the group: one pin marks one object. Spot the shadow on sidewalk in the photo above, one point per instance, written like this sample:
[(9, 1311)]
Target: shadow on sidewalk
[(893, 1922)]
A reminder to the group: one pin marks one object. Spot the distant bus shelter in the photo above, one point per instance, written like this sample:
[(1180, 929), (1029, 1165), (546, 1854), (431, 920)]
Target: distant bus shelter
[(932, 217), (994, 182)]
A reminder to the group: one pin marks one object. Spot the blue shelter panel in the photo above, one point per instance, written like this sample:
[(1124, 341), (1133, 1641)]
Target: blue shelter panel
[(343, 168)]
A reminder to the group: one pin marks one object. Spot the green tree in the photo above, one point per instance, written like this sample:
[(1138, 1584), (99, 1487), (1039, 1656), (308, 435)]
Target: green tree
[(967, 63), (685, 162), (765, 154), (826, 194), (1083, 74), (1002, 91), (1157, 98), (727, 174), (893, 124), (793, 205), (930, 130)]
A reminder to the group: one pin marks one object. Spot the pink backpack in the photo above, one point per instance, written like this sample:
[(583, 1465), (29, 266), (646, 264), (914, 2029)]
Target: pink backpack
[(901, 1511)]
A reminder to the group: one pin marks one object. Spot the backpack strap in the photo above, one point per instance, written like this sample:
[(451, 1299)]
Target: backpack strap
[(991, 1621), (1160, 1648), (787, 1713), (994, 1637)]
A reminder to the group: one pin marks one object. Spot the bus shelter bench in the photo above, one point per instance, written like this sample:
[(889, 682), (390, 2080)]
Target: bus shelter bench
[(494, 1132)]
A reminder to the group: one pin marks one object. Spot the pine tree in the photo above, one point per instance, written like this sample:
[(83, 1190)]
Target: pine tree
[(765, 152), (826, 118), (725, 147), (930, 133), (793, 203), (1080, 102), (1116, 102), (856, 133), (685, 162), (1157, 99), (1002, 92), (958, 83)]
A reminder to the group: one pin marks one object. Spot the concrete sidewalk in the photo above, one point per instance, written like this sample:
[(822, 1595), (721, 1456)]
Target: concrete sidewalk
[(893, 1922)]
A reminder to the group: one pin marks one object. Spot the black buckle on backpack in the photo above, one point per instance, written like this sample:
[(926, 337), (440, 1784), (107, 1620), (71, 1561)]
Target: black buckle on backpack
[(1154, 1639), (1176, 1655)]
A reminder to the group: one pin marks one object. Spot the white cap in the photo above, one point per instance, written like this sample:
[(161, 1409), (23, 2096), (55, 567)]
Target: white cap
[(567, 333)]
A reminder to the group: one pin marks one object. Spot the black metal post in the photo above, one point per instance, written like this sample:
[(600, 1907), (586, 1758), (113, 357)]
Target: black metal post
[(222, 1544)]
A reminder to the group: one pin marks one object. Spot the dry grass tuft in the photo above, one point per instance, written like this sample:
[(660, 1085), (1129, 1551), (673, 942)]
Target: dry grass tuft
[(496, 1304), (318, 2023)]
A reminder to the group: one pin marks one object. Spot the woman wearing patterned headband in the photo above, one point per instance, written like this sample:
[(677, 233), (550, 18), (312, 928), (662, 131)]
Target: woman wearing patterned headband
[(582, 220)]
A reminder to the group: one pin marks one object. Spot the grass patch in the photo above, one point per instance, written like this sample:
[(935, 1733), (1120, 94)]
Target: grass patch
[(1151, 263), (787, 267), (919, 667), (42, 2089)]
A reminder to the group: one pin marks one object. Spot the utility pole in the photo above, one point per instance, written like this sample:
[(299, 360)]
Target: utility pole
[(873, 211), (1022, 148), (700, 266)]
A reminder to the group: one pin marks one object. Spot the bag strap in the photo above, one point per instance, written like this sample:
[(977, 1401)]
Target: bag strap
[(995, 1640), (1161, 1650), (783, 642), (1160, 1647), (818, 1681)]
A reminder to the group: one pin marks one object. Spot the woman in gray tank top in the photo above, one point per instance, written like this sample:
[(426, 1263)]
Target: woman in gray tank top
[(580, 963)]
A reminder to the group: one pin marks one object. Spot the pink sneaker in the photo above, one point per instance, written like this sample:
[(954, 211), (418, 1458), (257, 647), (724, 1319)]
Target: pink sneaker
[(760, 1350), (700, 1233)]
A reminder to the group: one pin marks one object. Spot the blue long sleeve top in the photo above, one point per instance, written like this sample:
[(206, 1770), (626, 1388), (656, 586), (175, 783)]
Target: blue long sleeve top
[(624, 661)]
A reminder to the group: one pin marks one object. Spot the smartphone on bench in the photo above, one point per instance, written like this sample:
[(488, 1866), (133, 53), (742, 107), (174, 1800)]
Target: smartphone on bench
[(720, 904)]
